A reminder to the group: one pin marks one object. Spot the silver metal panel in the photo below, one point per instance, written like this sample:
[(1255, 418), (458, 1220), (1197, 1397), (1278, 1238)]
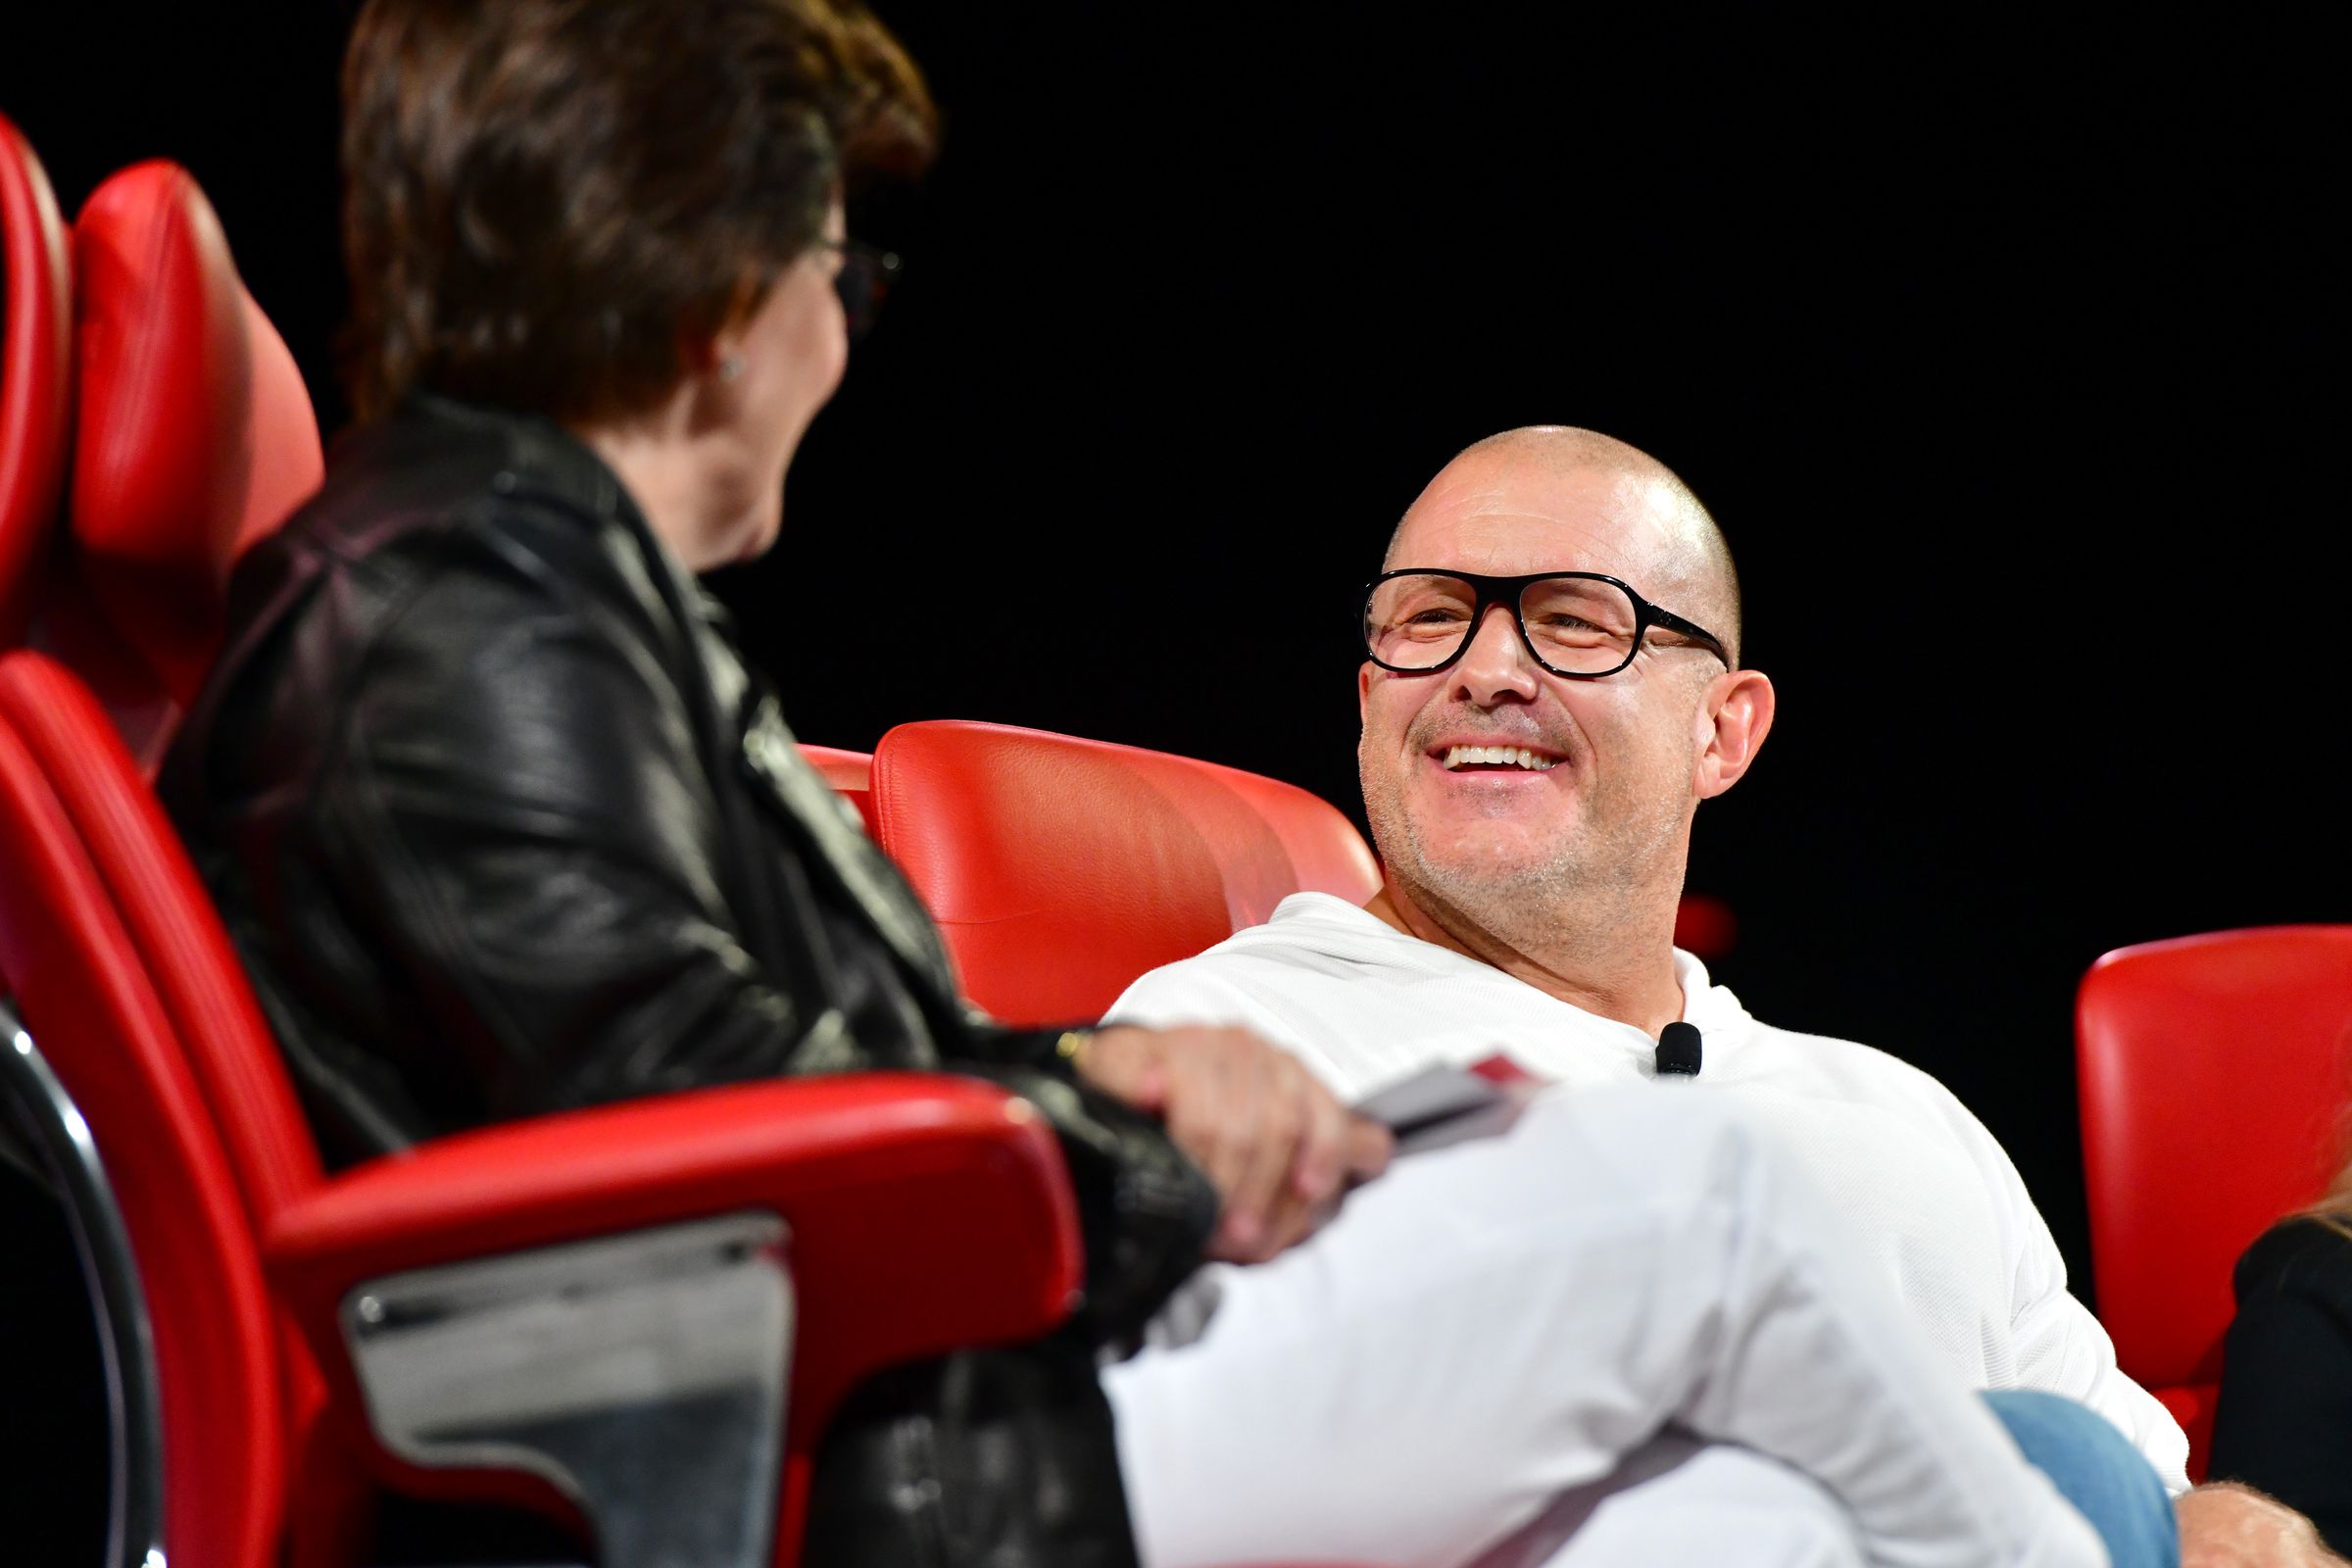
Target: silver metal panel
[(643, 1375), (56, 1133)]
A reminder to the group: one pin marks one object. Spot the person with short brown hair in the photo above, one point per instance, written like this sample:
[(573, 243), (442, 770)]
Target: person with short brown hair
[(500, 821), (547, 205)]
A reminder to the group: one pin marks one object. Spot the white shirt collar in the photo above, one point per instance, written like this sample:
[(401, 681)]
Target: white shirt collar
[(1351, 931)]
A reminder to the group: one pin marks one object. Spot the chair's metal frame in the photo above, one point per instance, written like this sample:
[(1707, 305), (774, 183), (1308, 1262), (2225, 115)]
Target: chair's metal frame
[(61, 1140)]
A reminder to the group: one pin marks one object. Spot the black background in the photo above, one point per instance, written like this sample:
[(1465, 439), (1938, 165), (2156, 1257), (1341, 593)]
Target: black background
[(2004, 346)]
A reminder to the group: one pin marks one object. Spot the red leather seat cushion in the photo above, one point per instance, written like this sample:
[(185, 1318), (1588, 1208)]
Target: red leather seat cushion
[(2192, 1406), (1061, 869), (35, 369), (196, 434)]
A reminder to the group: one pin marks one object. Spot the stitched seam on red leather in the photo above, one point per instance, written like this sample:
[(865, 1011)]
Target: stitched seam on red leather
[(243, 1415), (36, 373), (138, 860)]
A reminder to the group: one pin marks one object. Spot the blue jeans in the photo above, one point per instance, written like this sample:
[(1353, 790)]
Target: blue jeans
[(2094, 1468)]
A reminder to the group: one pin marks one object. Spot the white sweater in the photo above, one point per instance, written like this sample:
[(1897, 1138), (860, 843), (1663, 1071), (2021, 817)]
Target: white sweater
[(1927, 1192)]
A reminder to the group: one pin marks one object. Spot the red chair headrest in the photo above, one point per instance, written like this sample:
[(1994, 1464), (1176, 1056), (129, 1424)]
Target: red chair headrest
[(1061, 869), (196, 434), (35, 369)]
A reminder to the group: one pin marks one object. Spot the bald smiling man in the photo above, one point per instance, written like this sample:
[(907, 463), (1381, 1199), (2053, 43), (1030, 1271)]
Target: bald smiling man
[(1551, 686)]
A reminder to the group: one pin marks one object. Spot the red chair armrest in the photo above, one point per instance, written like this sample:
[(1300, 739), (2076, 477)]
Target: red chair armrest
[(926, 1212)]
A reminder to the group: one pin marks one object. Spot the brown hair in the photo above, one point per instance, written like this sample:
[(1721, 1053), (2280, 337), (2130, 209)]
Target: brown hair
[(546, 198)]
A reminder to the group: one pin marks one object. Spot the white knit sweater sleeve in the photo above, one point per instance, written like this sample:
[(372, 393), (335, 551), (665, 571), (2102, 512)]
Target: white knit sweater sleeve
[(1215, 988), (2058, 1344), (1195, 991)]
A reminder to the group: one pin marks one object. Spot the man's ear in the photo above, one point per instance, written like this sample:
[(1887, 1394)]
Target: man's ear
[(1363, 691), (1730, 729)]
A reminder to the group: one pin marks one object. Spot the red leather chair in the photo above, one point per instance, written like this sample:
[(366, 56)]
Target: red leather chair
[(304, 1329), (1061, 869), (916, 1214), (35, 369), (2214, 1080), (1704, 926), (420, 1318)]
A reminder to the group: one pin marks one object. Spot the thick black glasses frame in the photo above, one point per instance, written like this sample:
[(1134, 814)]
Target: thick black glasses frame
[(1494, 591), (867, 274)]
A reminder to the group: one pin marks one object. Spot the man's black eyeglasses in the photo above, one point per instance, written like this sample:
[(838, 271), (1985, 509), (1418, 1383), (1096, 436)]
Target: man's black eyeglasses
[(1579, 624), (864, 282)]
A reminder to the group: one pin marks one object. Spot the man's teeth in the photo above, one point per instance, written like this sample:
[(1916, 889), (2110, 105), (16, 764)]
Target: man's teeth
[(1508, 755)]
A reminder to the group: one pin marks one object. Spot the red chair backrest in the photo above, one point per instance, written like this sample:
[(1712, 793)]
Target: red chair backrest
[(1061, 869), (2214, 1080), (36, 320), (194, 436), (124, 978)]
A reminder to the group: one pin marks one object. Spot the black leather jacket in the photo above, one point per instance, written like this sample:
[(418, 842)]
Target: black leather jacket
[(500, 825)]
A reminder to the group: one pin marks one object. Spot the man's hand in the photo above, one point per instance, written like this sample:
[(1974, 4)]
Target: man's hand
[(1276, 1144), (2228, 1526)]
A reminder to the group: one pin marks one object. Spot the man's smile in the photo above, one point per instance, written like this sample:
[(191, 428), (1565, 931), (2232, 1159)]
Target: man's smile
[(1459, 758)]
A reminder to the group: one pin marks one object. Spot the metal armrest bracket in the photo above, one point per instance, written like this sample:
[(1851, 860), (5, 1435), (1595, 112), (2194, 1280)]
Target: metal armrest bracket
[(60, 1138), (642, 1375)]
